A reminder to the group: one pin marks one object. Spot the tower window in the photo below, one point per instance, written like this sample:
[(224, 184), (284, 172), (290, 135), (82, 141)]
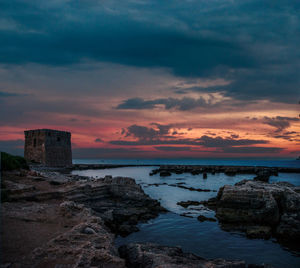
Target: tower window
[(34, 142)]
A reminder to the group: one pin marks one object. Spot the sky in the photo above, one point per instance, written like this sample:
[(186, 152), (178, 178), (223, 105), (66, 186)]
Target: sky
[(149, 78)]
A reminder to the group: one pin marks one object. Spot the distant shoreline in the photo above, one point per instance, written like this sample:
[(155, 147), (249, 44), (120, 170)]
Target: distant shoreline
[(221, 168)]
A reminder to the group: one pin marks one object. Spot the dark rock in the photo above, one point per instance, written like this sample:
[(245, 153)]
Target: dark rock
[(195, 172), (202, 218), (191, 188), (186, 204), (126, 229), (119, 201), (165, 173), (186, 214), (264, 232), (266, 206), (263, 175), (230, 171)]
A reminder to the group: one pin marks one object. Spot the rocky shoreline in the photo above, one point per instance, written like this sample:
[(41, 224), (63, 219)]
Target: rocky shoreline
[(71, 221), (259, 209), (262, 173), (179, 169)]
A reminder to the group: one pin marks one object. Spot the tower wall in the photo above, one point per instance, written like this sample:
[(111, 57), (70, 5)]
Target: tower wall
[(49, 147)]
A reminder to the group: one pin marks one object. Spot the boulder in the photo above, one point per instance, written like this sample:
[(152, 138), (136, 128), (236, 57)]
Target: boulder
[(273, 207)]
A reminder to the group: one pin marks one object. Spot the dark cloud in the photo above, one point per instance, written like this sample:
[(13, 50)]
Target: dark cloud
[(252, 150), (279, 122), (172, 148), (147, 133), (9, 94), (137, 104), (152, 136), (227, 142), (288, 135), (204, 141), (183, 104), (96, 34), (189, 38), (98, 140)]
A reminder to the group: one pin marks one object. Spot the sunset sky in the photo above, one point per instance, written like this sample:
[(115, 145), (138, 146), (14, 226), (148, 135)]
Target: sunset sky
[(141, 78)]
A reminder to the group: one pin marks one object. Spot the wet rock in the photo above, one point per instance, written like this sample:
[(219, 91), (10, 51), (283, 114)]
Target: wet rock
[(263, 175), (191, 188), (187, 214), (203, 218), (264, 232), (188, 203), (156, 184), (195, 172), (165, 173), (126, 229), (230, 171), (275, 206)]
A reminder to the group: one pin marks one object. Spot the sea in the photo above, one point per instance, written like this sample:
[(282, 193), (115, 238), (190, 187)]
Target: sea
[(205, 239)]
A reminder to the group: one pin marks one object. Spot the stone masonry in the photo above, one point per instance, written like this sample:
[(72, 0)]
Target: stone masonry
[(49, 147)]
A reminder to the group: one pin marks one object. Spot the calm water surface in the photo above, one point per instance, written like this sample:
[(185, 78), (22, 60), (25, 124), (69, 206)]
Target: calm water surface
[(204, 239)]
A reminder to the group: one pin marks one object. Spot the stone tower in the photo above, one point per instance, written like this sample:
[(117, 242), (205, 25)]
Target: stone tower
[(49, 147)]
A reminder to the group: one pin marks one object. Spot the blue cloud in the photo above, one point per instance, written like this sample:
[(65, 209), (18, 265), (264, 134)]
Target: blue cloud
[(252, 43)]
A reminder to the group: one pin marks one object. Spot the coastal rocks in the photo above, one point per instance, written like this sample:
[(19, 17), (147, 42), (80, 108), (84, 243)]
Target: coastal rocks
[(264, 232), (150, 255), (231, 171), (266, 206), (87, 244), (119, 201), (263, 175), (188, 203), (203, 218), (191, 188), (260, 172), (165, 173)]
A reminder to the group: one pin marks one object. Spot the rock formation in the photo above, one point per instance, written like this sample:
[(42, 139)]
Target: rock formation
[(73, 222), (156, 256), (260, 208)]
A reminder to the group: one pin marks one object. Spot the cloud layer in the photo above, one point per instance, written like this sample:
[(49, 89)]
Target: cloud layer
[(217, 77)]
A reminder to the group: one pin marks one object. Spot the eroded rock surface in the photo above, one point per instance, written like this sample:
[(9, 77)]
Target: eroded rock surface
[(150, 255), (119, 201), (87, 244), (255, 203)]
